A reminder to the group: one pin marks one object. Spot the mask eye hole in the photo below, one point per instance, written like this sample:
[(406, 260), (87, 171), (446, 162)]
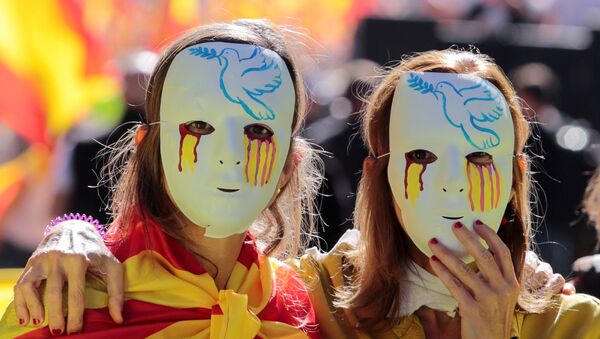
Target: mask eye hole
[(258, 131), (199, 127), (421, 156), (480, 158)]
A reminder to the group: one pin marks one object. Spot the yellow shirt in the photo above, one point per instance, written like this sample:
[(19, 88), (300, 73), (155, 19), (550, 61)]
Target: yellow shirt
[(573, 317)]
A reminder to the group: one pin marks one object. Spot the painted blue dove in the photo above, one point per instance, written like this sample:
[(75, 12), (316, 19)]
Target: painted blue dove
[(243, 80), (471, 109)]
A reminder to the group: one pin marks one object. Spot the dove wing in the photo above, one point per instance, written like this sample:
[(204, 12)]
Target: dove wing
[(483, 104), (266, 78)]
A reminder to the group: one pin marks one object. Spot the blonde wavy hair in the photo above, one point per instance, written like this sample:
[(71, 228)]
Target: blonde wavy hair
[(381, 257), (284, 228)]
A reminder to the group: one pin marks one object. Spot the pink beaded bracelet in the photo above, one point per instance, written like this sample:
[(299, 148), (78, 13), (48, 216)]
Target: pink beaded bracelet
[(76, 216)]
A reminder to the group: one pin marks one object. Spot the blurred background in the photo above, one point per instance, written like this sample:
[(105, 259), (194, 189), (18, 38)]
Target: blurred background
[(72, 77)]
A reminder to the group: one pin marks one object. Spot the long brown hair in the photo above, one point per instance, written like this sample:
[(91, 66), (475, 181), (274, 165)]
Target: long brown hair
[(591, 200), (381, 257), (281, 230)]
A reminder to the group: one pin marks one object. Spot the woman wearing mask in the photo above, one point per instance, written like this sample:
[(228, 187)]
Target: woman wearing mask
[(201, 215), (447, 138)]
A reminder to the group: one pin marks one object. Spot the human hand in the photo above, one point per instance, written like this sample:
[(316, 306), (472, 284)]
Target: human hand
[(541, 278), (66, 254), (486, 299)]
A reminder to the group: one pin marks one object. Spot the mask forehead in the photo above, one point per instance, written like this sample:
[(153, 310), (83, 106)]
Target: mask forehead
[(454, 117), (219, 79), (443, 108), (223, 178)]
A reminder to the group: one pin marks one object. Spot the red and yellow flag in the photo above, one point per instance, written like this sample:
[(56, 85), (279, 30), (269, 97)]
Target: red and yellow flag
[(169, 294)]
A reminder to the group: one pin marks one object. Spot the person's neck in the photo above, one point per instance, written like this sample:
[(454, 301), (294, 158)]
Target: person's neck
[(436, 324), (217, 255)]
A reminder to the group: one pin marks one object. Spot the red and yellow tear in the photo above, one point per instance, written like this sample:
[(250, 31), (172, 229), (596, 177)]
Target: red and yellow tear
[(413, 179), (188, 149), (485, 186), (261, 155), (484, 182)]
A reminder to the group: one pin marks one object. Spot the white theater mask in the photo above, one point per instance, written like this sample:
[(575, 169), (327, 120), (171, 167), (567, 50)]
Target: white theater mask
[(226, 118), (451, 155)]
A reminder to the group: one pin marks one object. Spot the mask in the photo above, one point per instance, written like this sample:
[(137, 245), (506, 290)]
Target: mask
[(451, 155), (226, 119)]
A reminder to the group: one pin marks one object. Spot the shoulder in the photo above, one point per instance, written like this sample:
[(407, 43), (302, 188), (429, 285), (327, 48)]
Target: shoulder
[(572, 316)]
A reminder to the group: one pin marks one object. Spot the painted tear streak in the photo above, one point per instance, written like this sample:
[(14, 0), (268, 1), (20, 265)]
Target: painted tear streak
[(413, 179), (485, 182), (260, 159), (188, 148)]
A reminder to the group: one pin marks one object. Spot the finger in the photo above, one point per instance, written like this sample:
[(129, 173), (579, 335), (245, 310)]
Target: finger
[(28, 291), (454, 285), (114, 284), (75, 272), (569, 289), (543, 274), (496, 266), (54, 299), (21, 307), (457, 267), (31, 277), (530, 264), (34, 305), (554, 285)]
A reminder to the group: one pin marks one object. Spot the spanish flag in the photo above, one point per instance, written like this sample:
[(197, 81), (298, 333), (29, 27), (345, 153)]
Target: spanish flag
[(168, 294)]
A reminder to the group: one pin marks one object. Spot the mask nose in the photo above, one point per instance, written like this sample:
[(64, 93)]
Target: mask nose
[(232, 143), (460, 189), (223, 163), (453, 181)]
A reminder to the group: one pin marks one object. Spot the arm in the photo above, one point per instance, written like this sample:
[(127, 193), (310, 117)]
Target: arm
[(65, 255)]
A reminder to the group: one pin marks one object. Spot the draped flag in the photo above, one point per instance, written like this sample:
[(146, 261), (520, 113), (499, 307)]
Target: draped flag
[(169, 294)]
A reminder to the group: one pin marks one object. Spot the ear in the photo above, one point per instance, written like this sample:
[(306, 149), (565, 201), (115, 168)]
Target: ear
[(140, 133), (522, 158), (368, 164), (291, 163)]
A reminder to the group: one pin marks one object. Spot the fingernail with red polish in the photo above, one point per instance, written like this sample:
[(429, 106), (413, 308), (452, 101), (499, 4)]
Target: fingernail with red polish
[(36, 321), (434, 258), (458, 225), (56, 331), (21, 321), (478, 222), (433, 241)]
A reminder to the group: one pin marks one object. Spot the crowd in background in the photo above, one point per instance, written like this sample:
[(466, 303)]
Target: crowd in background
[(48, 153)]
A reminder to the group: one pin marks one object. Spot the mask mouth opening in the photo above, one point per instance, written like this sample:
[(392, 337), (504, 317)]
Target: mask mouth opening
[(228, 190), (452, 218)]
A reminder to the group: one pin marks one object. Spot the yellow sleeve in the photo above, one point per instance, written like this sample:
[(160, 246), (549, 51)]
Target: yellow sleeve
[(573, 316)]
